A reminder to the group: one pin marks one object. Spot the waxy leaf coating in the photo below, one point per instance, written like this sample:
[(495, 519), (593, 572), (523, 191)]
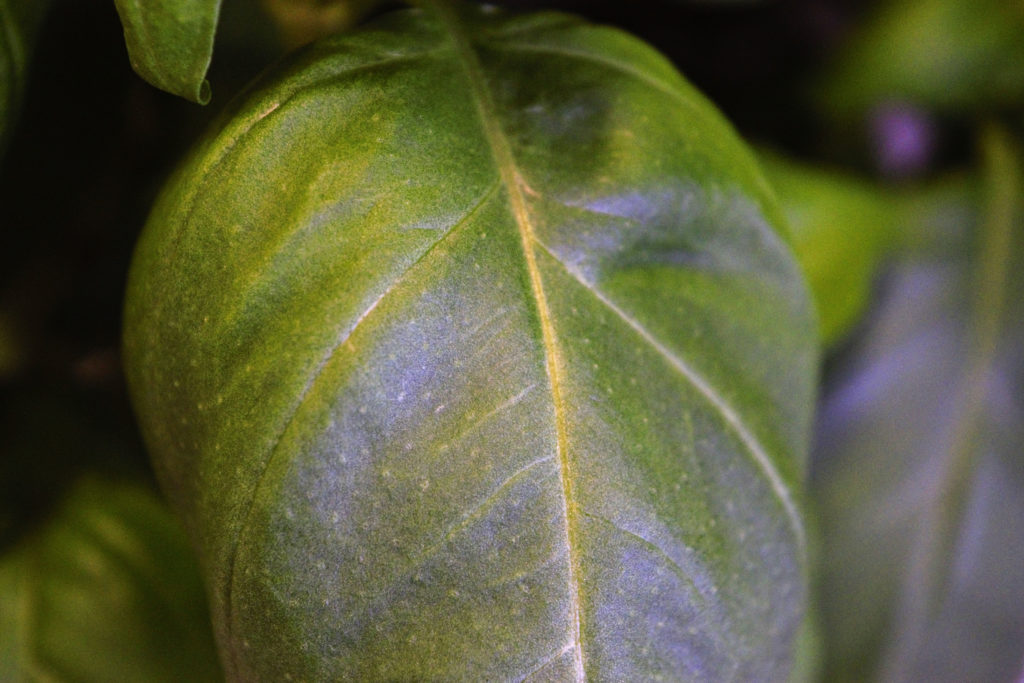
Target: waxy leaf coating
[(468, 348)]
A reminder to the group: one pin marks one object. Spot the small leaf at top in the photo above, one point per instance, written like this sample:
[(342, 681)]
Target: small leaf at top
[(469, 349), (170, 43)]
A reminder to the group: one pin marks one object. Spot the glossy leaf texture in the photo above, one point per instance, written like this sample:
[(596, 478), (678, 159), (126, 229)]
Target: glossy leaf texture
[(19, 21), (106, 590), (919, 473), (842, 228), (170, 43), (469, 349), (953, 56)]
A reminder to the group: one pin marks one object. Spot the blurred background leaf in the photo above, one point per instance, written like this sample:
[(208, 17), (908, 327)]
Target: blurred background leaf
[(106, 590), (304, 21), (19, 22), (809, 656), (845, 227), (909, 80), (842, 226), (52, 434), (919, 468), (954, 56)]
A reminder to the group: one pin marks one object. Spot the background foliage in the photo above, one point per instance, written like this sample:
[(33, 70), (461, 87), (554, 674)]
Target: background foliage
[(892, 133)]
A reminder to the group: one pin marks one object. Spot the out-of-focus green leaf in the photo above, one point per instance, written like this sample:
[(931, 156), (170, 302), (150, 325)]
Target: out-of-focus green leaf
[(934, 215), (11, 345), (715, 3), (844, 228), (841, 228), (106, 590), (304, 21), (809, 653), (170, 43), (469, 349), (949, 55), (920, 466), (50, 434), (19, 21)]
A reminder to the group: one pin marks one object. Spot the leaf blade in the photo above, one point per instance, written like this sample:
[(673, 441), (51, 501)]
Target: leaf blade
[(170, 43), (429, 445)]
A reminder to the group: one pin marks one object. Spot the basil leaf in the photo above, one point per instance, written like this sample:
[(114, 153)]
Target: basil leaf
[(170, 43), (468, 348), (107, 590), (920, 463), (842, 227)]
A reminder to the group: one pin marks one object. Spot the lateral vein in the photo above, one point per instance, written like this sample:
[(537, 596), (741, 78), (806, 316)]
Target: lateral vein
[(726, 411), (307, 390)]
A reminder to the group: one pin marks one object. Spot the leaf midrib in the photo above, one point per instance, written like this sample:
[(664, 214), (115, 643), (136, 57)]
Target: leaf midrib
[(512, 180)]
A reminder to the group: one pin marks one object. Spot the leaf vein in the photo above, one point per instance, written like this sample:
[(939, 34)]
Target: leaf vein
[(697, 381), (467, 520), (317, 374), (647, 543), (548, 661), (478, 510), (272, 109), (505, 162), (612, 64), (503, 406)]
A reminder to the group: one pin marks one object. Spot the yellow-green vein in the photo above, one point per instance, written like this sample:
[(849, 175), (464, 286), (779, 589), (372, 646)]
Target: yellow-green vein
[(513, 182)]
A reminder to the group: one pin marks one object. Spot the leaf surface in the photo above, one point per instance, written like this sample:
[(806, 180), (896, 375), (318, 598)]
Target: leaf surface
[(469, 348), (919, 473), (170, 43), (106, 590)]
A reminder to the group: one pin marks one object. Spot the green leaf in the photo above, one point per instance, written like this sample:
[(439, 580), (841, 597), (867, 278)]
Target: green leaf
[(170, 43), (19, 22), (948, 55), (107, 590), (469, 349), (304, 21), (842, 227), (920, 465)]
